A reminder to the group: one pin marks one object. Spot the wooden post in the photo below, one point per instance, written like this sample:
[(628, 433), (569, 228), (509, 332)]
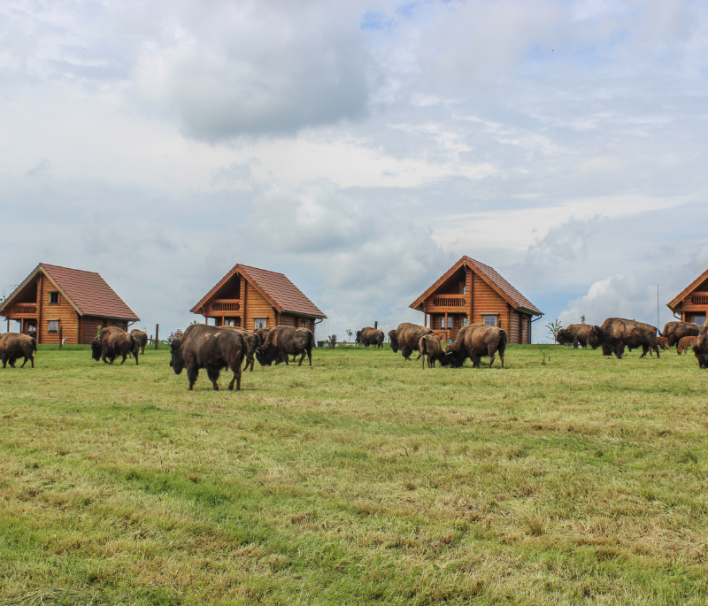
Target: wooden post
[(157, 335), (39, 308), (61, 332), (376, 324)]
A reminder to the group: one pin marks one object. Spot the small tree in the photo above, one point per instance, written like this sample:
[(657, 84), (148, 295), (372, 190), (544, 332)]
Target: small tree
[(582, 319), (350, 334), (332, 341), (553, 328)]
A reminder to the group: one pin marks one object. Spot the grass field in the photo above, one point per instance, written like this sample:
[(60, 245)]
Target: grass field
[(566, 478)]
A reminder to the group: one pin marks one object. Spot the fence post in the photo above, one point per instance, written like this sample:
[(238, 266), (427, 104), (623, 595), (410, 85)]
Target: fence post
[(376, 324), (157, 335), (60, 336)]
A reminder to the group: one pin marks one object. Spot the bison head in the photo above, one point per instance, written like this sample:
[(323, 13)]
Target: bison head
[(358, 340), (393, 337), (563, 337), (264, 356), (177, 359), (96, 349), (595, 338), (454, 356)]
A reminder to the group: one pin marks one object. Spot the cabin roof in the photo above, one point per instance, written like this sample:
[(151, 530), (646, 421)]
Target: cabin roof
[(87, 292), (674, 303), (278, 290), (489, 275)]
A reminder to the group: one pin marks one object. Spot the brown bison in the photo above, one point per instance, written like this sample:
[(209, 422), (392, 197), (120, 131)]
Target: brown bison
[(142, 339), (430, 346), (675, 331), (618, 333), (684, 344), (475, 341), (579, 335), (16, 345), (700, 347), (252, 340), (112, 343), (210, 347), (284, 341), (369, 336), (406, 338)]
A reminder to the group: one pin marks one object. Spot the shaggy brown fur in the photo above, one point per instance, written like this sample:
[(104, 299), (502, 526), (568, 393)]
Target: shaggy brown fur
[(210, 347), (675, 331), (685, 344), (406, 338), (370, 336), (16, 345), (112, 343), (284, 341), (430, 346), (618, 333), (579, 335), (141, 337), (475, 341)]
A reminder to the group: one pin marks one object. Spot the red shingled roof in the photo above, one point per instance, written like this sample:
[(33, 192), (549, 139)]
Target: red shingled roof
[(282, 294), (506, 290)]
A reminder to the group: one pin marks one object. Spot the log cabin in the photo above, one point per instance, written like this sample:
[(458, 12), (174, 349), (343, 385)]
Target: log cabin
[(471, 292), (691, 304), (257, 298), (54, 301)]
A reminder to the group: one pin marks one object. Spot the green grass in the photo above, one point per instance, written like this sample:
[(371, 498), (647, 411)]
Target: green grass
[(566, 478)]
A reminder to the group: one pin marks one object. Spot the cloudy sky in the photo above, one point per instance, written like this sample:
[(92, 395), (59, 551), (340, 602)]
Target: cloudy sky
[(360, 147)]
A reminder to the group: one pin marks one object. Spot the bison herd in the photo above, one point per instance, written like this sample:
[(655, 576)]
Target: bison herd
[(217, 348)]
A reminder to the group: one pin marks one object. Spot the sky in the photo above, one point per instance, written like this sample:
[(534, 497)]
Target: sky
[(359, 147)]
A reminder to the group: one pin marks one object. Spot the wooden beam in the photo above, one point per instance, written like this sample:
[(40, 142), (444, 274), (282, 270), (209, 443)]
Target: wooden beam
[(39, 307)]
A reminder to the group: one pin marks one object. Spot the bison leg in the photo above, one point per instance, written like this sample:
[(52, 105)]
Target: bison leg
[(656, 349), (491, 358), (4, 361), (237, 377), (406, 353), (619, 350), (125, 357), (192, 375), (213, 374)]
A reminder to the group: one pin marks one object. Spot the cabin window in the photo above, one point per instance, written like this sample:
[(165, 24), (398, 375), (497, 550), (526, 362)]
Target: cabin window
[(54, 298), (464, 321), (699, 319), (490, 320), (259, 323), (53, 325)]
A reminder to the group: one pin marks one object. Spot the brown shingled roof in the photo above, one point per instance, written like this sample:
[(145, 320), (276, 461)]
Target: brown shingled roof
[(87, 292), (676, 301), (282, 294), (492, 277)]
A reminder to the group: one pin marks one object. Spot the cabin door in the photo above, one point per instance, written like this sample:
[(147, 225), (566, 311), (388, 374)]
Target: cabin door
[(29, 327)]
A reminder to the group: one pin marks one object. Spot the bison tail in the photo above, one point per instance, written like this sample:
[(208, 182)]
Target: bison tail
[(34, 344), (502, 342)]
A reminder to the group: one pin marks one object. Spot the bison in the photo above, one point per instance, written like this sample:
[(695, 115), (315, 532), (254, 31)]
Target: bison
[(675, 331), (430, 346), (112, 343), (685, 343), (369, 336), (579, 335), (210, 347), (700, 347), (475, 341), (253, 341), (17, 345), (406, 338), (284, 341), (141, 337), (618, 333)]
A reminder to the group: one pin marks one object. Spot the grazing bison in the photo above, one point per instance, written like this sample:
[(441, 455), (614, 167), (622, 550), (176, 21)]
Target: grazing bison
[(253, 341), (430, 346), (684, 344), (16, 345), (675, 331), (210, 347), (700, 347), (141, 337), (406, 338), (475, 341), (618, 333), (284, 341), (369, 336), (112, 343), (579, 335)]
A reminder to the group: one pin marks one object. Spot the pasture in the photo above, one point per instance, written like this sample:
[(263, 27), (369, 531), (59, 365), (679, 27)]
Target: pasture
[(566, 478)]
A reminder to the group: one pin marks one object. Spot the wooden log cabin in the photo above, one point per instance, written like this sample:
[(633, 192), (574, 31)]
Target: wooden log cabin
[(55, 300), (471, 292), (691, 304), (257, 298)]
